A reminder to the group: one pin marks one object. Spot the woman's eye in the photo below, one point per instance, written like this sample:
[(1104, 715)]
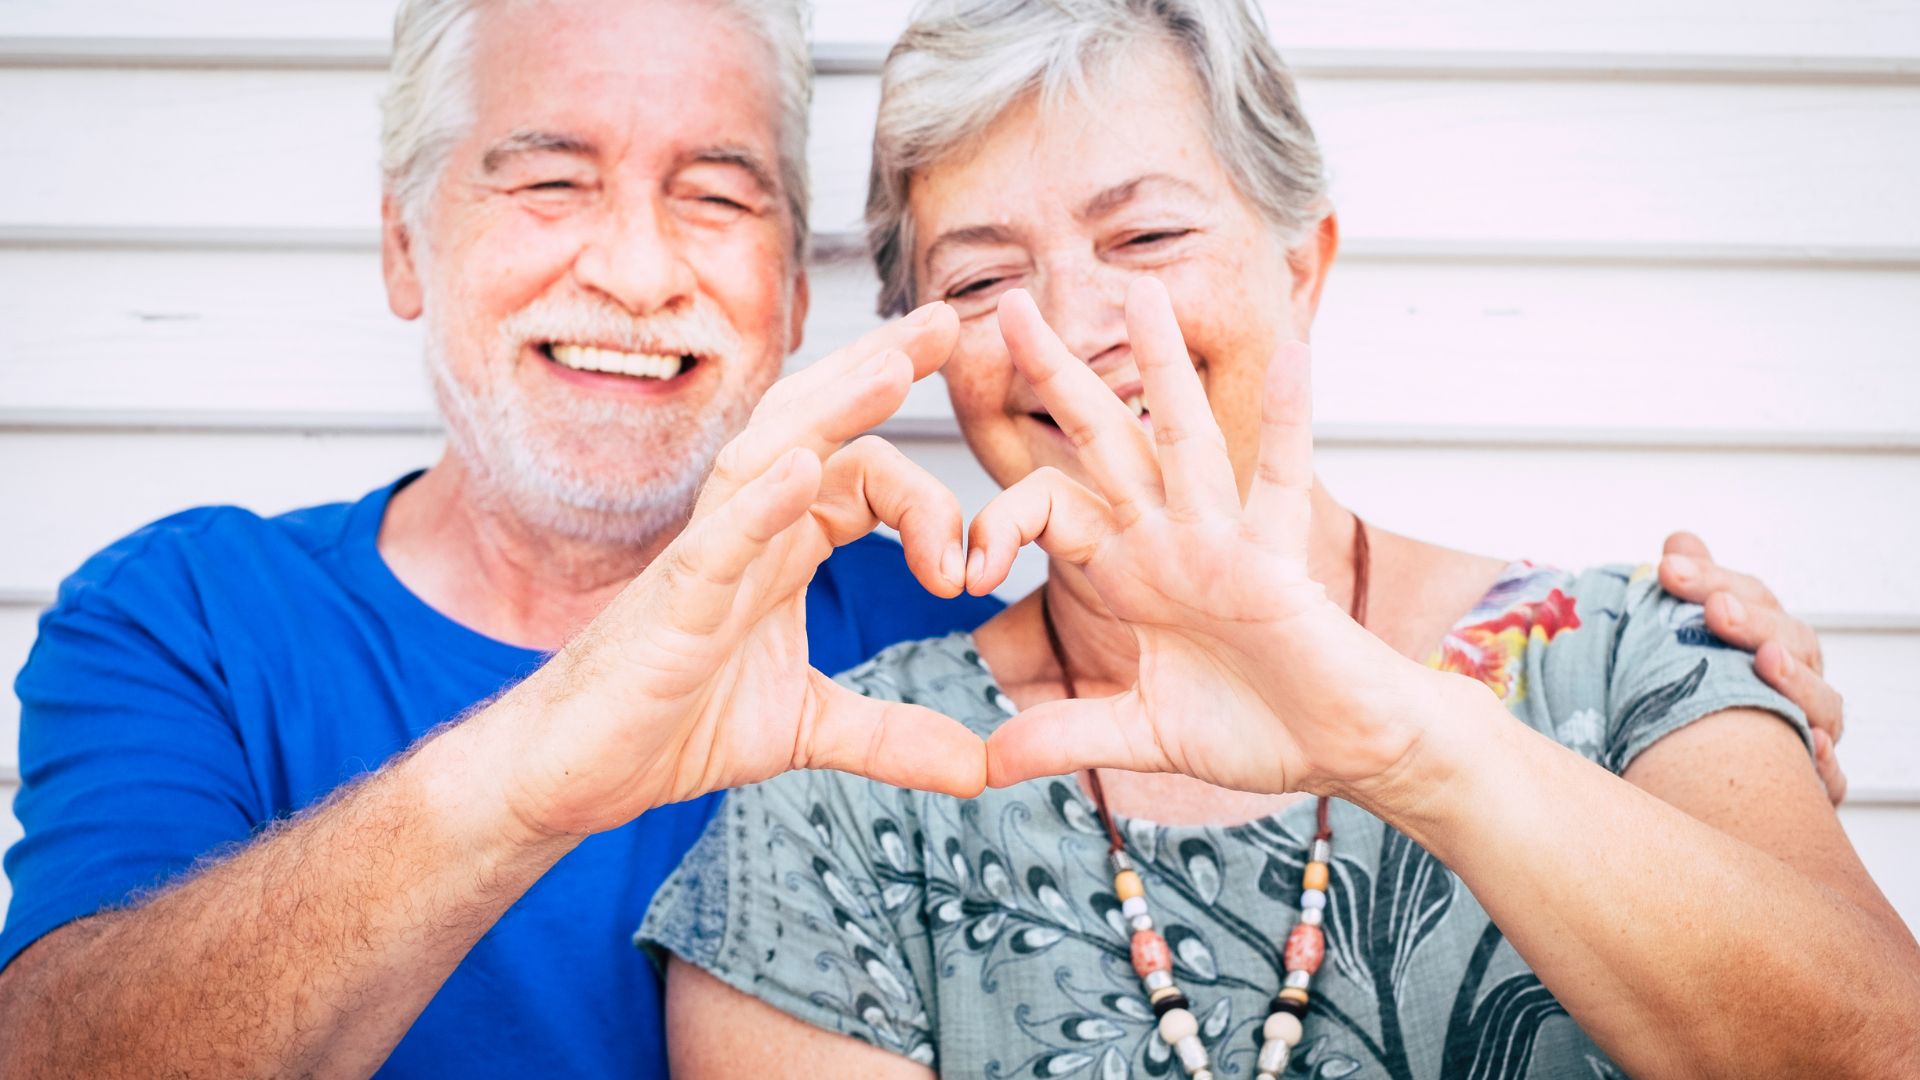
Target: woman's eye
[(551, 185), (721, 201), (1147, 239), (973, 288)]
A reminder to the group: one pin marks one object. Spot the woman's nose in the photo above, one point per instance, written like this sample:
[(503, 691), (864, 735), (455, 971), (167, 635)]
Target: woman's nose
[(1085, 304)]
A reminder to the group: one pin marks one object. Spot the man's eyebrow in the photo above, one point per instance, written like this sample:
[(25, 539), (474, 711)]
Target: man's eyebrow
[(533, 142), (1113, 198), (742, 158), (970, 234)]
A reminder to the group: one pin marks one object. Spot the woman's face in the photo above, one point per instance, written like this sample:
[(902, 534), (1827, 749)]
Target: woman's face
[(1072, 204)]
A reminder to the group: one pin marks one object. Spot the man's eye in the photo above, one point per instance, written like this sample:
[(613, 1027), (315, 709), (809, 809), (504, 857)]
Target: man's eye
[(722, 201), (551, 185)]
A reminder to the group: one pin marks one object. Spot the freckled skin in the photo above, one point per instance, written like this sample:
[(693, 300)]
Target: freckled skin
[(1237, 293)]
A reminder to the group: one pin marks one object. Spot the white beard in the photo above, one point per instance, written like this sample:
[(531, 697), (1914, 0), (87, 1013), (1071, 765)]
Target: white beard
[(558, 466)]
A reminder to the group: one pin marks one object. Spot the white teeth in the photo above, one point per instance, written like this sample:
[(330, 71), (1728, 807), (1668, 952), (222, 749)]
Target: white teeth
[(1138, 403), (643, 365)]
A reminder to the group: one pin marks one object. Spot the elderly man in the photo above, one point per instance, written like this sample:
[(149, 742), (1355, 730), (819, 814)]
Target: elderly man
[(253, 843)]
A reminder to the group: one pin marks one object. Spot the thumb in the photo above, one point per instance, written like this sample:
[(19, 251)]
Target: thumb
[(1066, 736), (892, 742)]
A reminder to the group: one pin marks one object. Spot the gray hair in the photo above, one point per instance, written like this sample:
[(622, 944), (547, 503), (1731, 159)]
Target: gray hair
[(963, 63), (428, 106)]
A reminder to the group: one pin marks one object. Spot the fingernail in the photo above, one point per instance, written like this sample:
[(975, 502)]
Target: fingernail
[(1681, 567), (951, 564), (877, 364), (976, 564), (1787, 664), (923, 314), (1822, 742), (1736, 611)]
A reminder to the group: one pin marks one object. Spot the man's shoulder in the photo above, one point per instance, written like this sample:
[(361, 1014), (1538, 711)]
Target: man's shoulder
[(185, 553)]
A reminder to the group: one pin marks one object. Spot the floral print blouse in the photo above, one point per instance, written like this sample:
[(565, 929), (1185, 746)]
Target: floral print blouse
[(982, 938)]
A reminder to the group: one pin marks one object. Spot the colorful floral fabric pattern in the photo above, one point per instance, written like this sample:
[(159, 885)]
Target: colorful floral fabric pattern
[(981, 937)]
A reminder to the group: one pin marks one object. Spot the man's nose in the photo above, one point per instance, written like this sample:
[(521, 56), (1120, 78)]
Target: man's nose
[(638, 261), (1085, 304)]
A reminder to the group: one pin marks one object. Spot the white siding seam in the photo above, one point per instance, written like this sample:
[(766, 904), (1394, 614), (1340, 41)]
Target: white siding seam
[(1827, 622), (866, 57), (1336, 435), (844, 247)]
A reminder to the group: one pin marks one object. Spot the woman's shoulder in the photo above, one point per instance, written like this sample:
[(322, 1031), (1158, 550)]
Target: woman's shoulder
[(945, 674)]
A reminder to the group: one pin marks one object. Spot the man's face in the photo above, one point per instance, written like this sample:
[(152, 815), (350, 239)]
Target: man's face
[(606, 261)]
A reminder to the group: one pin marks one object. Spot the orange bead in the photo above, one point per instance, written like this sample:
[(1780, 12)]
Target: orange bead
[(1150, 953), (1127, 885), (1316, 876), (1305, 949), (1293, 994)]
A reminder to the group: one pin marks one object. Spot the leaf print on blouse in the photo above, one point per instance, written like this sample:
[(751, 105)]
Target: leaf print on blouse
[(874, 980)]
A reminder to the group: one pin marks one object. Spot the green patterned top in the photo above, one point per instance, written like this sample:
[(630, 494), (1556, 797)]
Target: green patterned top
[(982, 936)]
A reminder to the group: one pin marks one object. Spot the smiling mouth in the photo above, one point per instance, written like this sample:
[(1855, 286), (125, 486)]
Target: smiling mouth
[(1136, 402), (659, 367)]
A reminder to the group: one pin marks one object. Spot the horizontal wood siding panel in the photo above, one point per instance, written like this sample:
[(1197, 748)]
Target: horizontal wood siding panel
[(1766, 511), (1518, 161), (1768, 28), (1768, 352)]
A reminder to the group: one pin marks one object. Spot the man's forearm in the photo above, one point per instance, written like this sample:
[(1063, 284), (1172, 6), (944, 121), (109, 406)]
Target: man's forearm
[(310, 951)]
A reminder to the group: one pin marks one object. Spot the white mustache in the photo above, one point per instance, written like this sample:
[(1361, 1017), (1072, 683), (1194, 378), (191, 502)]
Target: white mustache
[(697, 331)]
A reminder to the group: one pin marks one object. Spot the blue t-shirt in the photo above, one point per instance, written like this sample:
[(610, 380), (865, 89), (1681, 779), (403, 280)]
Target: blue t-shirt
[(216, 671)]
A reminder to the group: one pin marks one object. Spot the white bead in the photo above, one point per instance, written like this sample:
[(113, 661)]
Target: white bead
[(1312, 899), (1119, 861), (1192, 1053), (1158, 980), (1322, 851), (1141, 922), (1313, 916), (1203, 1074), (1299, 980), (1282, 1028), (1178, 1024), (1133, 906), (1273, 1056), (1266, 1076)]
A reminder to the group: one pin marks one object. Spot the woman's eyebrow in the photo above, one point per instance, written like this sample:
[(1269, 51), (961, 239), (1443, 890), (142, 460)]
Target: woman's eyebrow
[(1117, 196), (970, 235)]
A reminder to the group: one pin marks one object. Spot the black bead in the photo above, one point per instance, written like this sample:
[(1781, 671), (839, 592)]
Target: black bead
[(1169, 1003), (1283, 1005)]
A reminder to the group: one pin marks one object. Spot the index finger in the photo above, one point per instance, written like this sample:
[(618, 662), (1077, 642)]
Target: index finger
[(1104, 432), (836, 397)]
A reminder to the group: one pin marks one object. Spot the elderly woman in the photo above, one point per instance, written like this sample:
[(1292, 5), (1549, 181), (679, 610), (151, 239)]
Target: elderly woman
[(1561, 829)]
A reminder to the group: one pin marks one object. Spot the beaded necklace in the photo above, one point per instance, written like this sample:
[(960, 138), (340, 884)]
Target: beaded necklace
[(1153, 961)]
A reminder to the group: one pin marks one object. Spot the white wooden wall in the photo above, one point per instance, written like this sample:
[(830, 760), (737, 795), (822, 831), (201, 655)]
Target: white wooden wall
[(1611, 269)]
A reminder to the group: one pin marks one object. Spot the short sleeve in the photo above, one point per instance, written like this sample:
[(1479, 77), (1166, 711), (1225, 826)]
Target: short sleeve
[(807, 892), (1668, 670), (130, 767)]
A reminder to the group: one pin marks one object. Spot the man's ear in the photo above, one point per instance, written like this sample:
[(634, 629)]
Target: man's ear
[(802, 297), (397, 264), (1310, 259)]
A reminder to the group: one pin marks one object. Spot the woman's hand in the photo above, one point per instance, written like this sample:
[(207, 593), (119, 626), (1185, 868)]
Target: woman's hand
[(1249, 677), (695, 678)]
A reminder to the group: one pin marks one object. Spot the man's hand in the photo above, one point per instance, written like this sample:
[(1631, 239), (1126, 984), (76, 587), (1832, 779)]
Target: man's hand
[(1742, 611), (695, 678)]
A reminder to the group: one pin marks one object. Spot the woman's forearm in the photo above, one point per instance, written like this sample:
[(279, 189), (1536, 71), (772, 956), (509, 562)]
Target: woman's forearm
[(1679, 949)]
